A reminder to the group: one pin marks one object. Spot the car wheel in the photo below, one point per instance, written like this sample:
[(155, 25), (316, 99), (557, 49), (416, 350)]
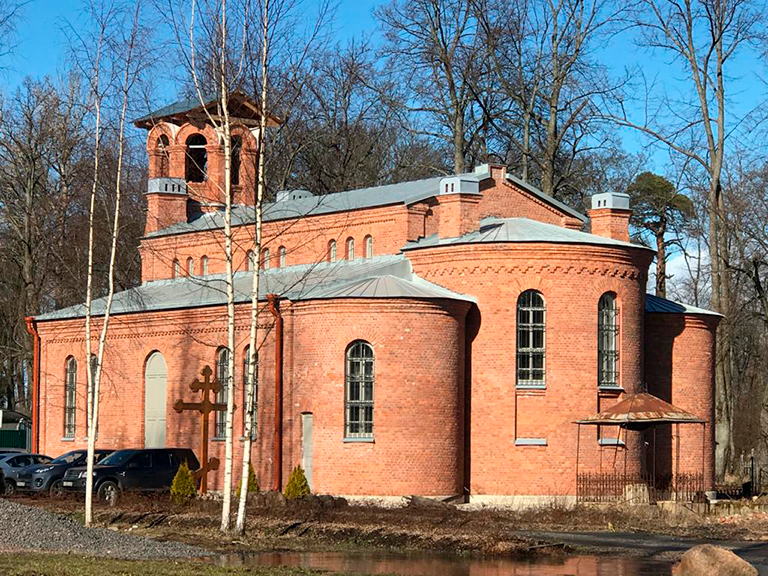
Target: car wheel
[(10, 488), (108, 492), (55, 489)]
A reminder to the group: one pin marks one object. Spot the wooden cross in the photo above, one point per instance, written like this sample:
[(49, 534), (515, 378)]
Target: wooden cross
[(205, 407)]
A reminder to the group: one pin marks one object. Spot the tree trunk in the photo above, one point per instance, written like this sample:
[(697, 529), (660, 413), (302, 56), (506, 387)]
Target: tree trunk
[(661, 259)]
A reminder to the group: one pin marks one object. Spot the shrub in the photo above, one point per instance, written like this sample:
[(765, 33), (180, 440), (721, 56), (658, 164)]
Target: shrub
[(183, 487), (253, 484), (297, 486)]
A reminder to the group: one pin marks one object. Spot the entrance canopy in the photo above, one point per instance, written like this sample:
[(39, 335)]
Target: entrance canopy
[(638, 411)]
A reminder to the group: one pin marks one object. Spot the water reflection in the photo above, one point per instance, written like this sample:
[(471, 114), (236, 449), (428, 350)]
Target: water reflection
[(435, 565)]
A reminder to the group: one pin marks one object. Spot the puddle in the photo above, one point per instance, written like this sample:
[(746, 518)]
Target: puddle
[(371, 562)]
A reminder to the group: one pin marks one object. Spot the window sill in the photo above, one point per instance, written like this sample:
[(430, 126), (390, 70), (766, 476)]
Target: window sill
[(530, 441), (358, 440), (242, 439), (610, 442), (531, 387), (611, 389), (68, 439), (218, 439)]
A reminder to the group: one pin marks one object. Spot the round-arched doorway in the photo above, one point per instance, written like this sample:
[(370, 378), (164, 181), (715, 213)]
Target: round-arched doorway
[(155, 379)]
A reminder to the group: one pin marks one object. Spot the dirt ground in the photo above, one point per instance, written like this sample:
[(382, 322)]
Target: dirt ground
[(323, 523)]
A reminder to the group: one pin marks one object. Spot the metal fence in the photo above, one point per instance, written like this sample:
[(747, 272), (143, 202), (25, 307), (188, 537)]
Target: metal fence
[(13, 439), (612, 487)]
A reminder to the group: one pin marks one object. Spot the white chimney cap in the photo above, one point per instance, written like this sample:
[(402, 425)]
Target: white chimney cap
[(459, 185), (615, 200)]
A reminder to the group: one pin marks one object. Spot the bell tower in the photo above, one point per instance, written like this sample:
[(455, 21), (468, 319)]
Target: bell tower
[(186, 158)]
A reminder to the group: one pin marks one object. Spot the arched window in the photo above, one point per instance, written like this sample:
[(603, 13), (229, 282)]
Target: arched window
[(234, 173), (265, 259), (281, 258), (359, 391), (531, 326), (197, 158), (163, 159), (332, 251), (176, 269), (190, 267), (350, 248), (222, 375), (70, 395), (249, 260), (607, 341), (369, 246), (255, 407), (204, 265)]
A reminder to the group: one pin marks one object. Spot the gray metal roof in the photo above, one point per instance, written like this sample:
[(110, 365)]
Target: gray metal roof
[(658, 305), (379, 277), (520, 230), (400, 193), (546, 198), (178, 107)]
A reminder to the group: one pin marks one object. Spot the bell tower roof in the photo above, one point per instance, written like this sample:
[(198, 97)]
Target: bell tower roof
[(241, 108)]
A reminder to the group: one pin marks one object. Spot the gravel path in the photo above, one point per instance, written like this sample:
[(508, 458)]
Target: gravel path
[(30, 528)]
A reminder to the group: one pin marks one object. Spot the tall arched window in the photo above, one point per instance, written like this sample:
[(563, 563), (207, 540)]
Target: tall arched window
[(369, 246), (607, 341), (350, 248), (70, 395), (190, 267), (281, 258), (222, 375), (176, 269), (359, 391), (197, 159), (332, 251), (255, 407), (249, 260), (531, 346), (204, 265), (265, 259), (234, 173), (163, 159)]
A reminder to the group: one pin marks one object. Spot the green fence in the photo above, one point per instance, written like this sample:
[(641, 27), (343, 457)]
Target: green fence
[(13, 439)]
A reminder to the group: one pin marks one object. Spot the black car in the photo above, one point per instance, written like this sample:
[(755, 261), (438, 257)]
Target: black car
[(41, 478), (12, 464), (147, 470)]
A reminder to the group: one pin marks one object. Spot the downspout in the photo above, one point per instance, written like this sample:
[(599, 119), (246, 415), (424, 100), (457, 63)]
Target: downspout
[(274, 308), (32, 329)]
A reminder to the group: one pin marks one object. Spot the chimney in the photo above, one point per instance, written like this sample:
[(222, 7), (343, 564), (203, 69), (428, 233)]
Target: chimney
[(610, 214), (166, 203), (457, 200)]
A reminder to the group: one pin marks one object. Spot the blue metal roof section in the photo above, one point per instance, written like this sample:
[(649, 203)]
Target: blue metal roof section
[(379, 277), (658, 305), (520, 230)]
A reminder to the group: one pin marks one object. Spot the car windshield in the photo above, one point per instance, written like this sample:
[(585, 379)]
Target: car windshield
[(117, 458), (69, 458)]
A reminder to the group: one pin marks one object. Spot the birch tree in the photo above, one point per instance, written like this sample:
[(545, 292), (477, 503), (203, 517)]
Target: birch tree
[(124, 50), (250, 389)]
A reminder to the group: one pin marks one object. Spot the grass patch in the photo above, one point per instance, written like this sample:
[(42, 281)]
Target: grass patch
[(41, 564)]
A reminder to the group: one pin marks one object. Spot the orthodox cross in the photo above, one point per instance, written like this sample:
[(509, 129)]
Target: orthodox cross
[(205, 407)]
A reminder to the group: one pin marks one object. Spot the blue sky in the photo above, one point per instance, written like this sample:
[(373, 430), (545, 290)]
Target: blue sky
[(42, 50)]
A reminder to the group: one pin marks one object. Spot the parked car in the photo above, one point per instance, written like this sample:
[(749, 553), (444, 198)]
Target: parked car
[(12, 464), (147, 470), (42, 478)]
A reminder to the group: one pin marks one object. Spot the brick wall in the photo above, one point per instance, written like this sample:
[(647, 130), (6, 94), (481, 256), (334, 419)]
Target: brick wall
[(679, 368), (571, 279)]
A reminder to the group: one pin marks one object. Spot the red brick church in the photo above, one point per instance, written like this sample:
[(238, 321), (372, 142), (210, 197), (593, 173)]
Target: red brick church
[(439, 337)]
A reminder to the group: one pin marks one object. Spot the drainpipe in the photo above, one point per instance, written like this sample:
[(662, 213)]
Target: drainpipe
[(274, 308), (32, 329)]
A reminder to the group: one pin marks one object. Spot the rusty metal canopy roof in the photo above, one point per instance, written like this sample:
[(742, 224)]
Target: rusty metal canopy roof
[(640, 410)]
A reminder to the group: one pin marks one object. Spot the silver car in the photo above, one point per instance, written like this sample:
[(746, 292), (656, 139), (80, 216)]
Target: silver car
[(12, 464)]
